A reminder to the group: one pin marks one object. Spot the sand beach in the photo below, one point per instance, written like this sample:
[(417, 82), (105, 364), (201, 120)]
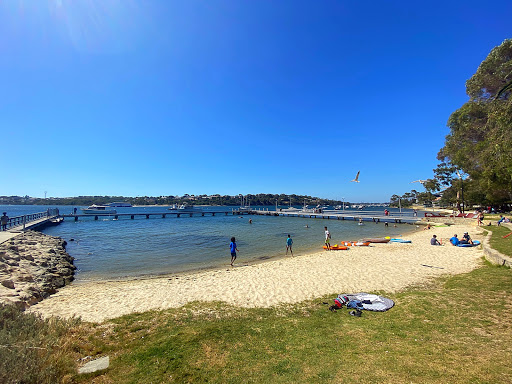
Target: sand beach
[(387, 267)]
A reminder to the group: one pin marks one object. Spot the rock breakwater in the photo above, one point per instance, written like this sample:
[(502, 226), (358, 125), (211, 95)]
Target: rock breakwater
[(32, 267)]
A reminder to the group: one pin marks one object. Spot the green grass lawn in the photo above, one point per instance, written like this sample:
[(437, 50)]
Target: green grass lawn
[(498, 240), (457, 330)]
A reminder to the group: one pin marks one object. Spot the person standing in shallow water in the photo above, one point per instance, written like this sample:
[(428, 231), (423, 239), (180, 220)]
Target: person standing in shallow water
[(233, 249), (289, 243), (327, 239)]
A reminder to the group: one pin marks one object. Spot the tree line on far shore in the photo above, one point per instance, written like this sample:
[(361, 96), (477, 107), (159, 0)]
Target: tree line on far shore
[(475, 164), (261, 199)]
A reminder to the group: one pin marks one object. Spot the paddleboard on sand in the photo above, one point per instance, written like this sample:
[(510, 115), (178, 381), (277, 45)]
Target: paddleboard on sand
[(475, 243)]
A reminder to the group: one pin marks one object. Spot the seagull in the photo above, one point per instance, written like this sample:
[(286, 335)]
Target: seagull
[(356, 180), (418, 181)]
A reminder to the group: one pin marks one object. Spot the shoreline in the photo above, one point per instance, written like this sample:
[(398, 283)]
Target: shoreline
[(388, 267), (410, 229)]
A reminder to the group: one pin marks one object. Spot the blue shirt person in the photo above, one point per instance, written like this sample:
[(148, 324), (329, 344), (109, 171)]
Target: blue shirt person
[(455, 240), (234, 249), (289, 243)]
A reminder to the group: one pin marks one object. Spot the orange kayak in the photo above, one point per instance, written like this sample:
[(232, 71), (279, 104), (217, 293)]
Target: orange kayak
[(356, 243), (336, 247)]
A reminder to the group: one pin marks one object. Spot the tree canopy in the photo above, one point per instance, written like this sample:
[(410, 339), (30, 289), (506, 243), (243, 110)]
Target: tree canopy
[(476, 160), (480, 138)]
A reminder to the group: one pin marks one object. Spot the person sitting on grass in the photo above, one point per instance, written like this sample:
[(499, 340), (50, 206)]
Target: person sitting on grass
[(434, 241), (455, 240)]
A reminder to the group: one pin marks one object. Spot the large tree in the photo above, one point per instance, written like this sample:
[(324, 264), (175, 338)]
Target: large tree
[(480, 138)]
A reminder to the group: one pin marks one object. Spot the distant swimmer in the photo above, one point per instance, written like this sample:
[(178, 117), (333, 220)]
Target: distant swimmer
[(250, 221), (306, 226)]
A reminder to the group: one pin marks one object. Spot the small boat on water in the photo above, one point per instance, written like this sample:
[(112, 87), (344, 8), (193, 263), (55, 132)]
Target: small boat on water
[(98, 209), (185, 208), (56, 221)]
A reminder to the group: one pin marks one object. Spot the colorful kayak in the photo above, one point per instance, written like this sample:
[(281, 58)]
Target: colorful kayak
[(356, 243), (336, 247), (400, 241), (475, 243), (377, 240)]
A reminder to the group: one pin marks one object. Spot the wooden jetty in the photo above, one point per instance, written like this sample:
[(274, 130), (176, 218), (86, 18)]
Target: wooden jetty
[(395, 218), (20, 224), (163, 215)]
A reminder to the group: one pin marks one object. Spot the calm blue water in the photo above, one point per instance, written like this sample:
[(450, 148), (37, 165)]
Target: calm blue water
[(111, 249)]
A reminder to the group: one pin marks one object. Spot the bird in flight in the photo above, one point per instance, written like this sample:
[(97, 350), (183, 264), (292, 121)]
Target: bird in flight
[(418, 181), (356, 180)]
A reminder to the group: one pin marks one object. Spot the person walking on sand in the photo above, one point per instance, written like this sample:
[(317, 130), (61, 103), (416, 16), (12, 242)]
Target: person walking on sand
[(289, 243), (327, 239), (4, 220), (434, 241), (233, 249), (480, 219)]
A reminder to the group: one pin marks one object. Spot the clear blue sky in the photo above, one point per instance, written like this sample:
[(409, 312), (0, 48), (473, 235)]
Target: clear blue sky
[(135, 98)]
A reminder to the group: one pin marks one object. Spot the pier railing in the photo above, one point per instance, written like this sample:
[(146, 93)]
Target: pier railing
[(23, 220)]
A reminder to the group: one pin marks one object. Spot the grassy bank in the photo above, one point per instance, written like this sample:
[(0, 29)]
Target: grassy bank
[(33, 350), (498, 240), (458, 331)]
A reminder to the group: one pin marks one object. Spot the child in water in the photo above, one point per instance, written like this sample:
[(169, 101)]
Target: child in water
[(289, 243), (233, 249)]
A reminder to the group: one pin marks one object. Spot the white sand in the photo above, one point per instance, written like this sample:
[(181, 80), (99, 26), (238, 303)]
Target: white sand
[(390, 267)]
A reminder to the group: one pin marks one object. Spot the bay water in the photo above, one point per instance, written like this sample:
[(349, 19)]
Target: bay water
[(109, 249)]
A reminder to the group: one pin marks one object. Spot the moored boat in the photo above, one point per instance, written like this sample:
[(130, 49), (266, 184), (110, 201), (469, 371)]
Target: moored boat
[(98, 209), (185, 208)]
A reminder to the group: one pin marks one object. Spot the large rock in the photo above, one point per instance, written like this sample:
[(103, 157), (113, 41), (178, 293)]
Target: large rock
[(95, 365), (32, 267)]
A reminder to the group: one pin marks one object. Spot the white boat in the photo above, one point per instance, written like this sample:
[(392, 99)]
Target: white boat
[(98, 209), (183, 208)]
